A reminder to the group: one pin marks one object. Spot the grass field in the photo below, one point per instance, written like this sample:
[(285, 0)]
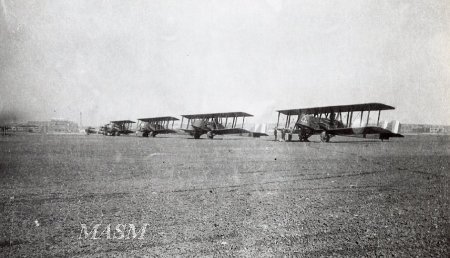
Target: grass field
[(227, 196)]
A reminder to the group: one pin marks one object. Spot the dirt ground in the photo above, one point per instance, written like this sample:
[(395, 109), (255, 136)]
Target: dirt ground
[(224, 197)]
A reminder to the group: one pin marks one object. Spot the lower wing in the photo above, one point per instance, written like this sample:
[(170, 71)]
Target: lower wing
[(229, 131), (363, 130), (188, 131), (165, 131), (256, 134)]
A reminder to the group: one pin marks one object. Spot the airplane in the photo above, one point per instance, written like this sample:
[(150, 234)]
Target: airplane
[(214, 124), (330, 121), (90, 130), (156, 125), (116, 128)]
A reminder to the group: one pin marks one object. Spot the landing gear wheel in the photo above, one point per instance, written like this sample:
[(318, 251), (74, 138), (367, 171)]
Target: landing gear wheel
[(210, 135), (145, 134), (197, 135), (324, 137), (153, 134), (303, 137)]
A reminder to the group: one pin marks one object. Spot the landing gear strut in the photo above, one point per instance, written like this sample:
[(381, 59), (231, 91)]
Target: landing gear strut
[(303, 135), (324, 137), (289, 137), (383, 137)]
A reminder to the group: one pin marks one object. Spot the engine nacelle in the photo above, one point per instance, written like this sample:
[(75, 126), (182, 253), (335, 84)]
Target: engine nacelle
[(199, 123)]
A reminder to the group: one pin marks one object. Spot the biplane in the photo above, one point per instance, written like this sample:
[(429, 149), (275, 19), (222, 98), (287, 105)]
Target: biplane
[(90, 130), (116, 128), (344, 120), (214, 124), (156, 125)]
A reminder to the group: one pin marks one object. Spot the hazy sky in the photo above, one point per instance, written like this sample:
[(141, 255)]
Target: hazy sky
[(120, 59)]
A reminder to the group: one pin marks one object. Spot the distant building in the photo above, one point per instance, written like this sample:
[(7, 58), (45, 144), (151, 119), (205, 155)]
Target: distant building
[(437, 129), (25, 127), (52, 126), (62, 126), (423, 128)]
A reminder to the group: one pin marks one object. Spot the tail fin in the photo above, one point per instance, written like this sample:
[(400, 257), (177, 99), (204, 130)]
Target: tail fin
[(261, 128), (395, 126)]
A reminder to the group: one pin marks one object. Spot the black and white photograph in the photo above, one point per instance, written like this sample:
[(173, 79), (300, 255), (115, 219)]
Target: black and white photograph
[(224, 128)]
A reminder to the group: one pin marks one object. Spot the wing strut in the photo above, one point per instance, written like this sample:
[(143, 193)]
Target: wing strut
[(351, 116), (278, 121), (378, 121), (360, 120), (348, 116)]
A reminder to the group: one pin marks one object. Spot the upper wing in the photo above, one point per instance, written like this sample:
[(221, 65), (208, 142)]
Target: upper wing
[(229, 131), (363, 130), (217, 115), (341, 108), (165, 131), (123, 122), (158, 119)]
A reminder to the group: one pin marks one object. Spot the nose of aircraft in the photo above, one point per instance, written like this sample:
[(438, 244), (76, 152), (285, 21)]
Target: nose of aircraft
[(198, 124)]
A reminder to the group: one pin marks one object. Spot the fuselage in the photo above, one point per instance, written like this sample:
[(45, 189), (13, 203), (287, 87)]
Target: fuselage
[(152, 127), (115, 129), (318, 123), (206, 126)]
